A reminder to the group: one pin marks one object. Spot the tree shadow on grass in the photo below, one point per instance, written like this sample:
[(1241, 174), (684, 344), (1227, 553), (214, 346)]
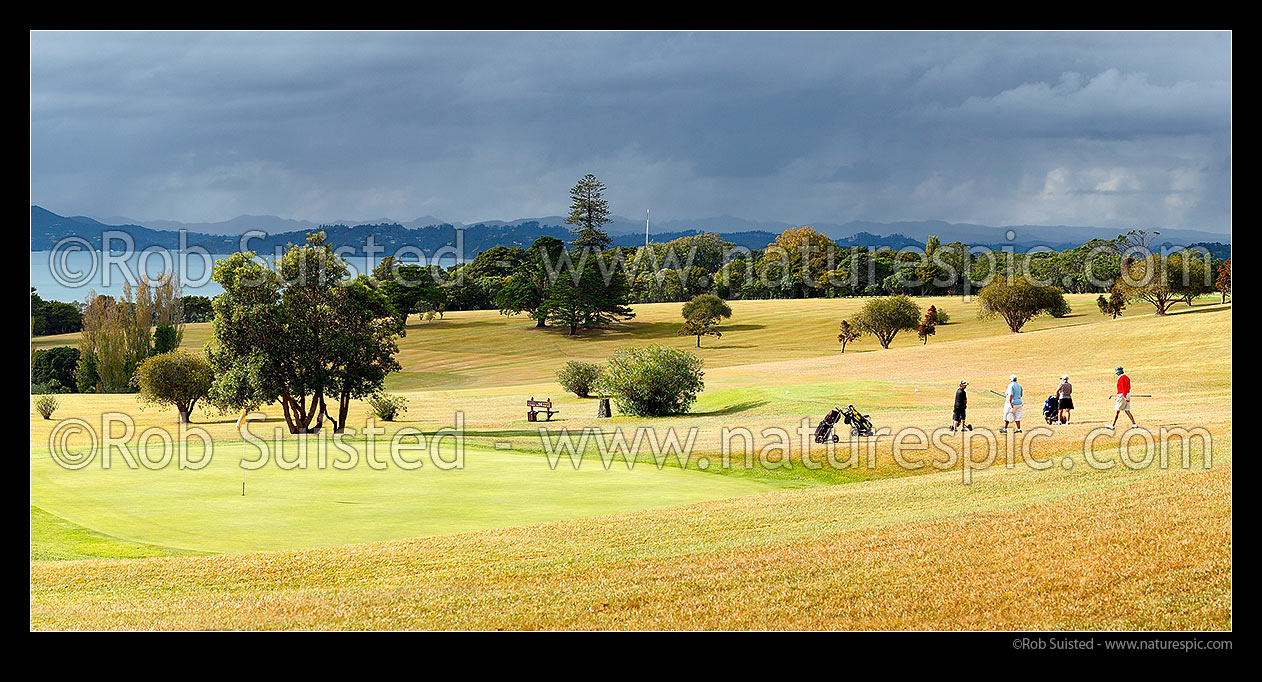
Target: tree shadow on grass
[(449, 323), (505, 433), (1217, 308), (648, 329), (734, 408)]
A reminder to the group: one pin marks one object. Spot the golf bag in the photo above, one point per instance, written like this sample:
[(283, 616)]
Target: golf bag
[(860, 425), (1051, 409), (824, 431)]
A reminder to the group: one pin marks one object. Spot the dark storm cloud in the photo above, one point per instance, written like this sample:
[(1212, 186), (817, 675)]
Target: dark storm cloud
[(1092, 128)]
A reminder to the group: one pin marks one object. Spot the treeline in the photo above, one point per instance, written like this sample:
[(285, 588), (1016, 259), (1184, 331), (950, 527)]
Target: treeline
[(798, 263), (57, 317)]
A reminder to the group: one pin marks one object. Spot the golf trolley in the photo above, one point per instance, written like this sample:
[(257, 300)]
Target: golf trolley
[(860, 425), (1051, 409)]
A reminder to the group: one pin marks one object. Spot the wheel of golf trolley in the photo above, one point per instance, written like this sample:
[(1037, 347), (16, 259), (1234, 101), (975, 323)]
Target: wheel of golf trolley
[(854, 431), (836, 438)]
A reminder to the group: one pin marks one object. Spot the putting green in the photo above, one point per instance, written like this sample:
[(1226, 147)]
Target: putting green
[(204, 510)]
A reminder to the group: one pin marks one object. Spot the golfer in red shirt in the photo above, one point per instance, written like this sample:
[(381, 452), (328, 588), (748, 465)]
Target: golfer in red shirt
[(1123, 398)]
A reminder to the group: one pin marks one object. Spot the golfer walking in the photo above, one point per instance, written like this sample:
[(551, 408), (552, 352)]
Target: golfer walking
[(1123, 398), (961, 406), (1012, 405), (1066, 402)]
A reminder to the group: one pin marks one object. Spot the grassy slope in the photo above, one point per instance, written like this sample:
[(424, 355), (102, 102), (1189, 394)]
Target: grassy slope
[(54, 538), (483, 579), (205, 510), (1014, 550)]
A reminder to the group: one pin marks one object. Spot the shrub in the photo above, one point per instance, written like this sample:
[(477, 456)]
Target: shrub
[(653, 381), (578, 378), (45, 405), (943, 317), (387, 407), (165, 339)]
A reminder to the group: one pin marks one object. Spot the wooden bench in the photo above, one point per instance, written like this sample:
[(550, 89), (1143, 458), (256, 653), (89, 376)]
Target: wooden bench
[(537, 407)]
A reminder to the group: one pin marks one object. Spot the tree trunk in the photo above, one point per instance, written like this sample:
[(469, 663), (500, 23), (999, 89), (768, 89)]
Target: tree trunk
[(184, 416), (343, 408), (698, 340), (541, 322), (573, 330)]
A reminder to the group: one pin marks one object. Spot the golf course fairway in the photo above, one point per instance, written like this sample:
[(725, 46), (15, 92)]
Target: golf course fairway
[(1037, 538)]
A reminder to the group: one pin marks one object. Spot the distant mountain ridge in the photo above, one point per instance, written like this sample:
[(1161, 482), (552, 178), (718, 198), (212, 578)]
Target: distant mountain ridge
[(225, 237)]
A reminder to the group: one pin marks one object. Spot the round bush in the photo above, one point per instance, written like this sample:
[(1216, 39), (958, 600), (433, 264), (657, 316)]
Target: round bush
[(653, 381), (386, 406), (177, 378), (578, 378)]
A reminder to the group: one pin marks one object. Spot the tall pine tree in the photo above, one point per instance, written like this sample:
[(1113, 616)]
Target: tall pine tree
[(588, 212)]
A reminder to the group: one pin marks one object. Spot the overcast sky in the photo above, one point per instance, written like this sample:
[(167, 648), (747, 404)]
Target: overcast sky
[(1107, 129)]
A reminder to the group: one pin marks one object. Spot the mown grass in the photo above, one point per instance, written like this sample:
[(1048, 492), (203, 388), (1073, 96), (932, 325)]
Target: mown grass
[(56, 539), (1016, 549)]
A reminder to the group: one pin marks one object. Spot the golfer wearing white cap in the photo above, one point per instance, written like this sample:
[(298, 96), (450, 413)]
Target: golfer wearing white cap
[(1012, 405), (1063, 396), (960, 407)]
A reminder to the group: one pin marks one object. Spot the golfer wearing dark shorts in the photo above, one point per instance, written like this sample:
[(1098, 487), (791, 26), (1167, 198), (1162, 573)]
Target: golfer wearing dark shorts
[(961, 403), (1064, 394)]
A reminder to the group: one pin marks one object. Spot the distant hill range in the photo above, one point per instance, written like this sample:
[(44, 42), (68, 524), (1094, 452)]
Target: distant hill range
[(431, 234)]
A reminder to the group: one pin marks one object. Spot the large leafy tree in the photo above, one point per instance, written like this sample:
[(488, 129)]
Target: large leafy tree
[(407, 286), (702, 316), (885, 317), (177, 378), (1018, 300), (363, 347), (798, 261), (1193, 274), (589, 211), (528, 286), (297, 333), (1163, 281)]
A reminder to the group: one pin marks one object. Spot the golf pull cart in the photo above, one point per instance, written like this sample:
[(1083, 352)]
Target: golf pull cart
[(860, 425)]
